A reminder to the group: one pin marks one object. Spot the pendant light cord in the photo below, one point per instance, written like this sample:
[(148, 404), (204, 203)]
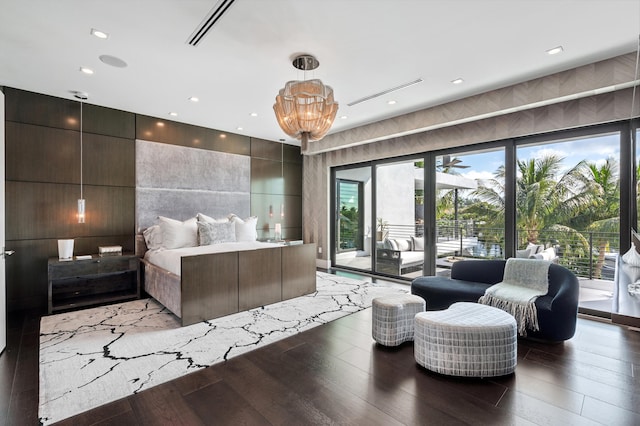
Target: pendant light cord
[(81, 191)]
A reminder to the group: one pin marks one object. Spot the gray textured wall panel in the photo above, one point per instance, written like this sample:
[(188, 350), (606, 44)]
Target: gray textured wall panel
[(160, 165), (185, 204), (179, 182)]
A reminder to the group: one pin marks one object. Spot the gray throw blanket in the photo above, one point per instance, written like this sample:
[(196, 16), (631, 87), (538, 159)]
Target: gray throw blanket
[(523, 281)]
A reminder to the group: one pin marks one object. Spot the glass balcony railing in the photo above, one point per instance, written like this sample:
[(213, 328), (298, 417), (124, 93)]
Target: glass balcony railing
[(587, 254)]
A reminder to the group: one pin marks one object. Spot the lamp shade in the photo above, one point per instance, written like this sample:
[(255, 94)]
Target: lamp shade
[(305, 107)]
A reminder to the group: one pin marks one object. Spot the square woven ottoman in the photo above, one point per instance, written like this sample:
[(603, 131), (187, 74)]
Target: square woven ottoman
[(467, 339), (393, 318)]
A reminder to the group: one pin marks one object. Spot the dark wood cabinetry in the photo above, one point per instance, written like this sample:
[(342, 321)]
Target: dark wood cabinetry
[(79, 283)]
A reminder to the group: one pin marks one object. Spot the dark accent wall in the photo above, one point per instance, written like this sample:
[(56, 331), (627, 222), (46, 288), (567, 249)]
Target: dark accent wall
[(42, 181), (276, 188)]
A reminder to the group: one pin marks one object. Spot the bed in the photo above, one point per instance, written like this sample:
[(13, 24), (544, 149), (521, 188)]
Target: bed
[(232, 278)]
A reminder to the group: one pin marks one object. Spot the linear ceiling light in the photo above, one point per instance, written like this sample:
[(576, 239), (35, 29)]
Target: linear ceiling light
[(384, 92)]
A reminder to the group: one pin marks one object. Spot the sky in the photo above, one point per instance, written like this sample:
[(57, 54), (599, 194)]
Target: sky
[(594, 149)]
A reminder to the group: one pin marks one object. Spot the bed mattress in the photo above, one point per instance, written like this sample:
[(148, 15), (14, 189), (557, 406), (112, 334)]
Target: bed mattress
[(171, 259)]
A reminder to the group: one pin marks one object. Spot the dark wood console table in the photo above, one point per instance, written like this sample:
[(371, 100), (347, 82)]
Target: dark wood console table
[(80, 283)]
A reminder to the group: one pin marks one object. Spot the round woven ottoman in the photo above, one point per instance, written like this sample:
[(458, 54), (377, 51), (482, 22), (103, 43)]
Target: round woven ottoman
[(467, 339), (393, 318)]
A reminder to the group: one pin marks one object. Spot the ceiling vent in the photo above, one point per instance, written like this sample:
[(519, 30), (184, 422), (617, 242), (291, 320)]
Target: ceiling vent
[(385, 92), (212, 17)]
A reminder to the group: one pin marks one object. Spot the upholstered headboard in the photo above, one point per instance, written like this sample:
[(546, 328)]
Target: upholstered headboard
[(179, 182)]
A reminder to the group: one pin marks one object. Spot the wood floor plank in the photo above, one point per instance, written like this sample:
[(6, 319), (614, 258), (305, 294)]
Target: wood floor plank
[(218, 403), (163, 405), (541, 412), (333, 400), (278, 403), (613, 395), (604, 413)]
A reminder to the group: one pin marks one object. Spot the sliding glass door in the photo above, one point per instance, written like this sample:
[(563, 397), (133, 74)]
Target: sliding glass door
[(469, 207), (352, 228), (568, 209), (400, 218)]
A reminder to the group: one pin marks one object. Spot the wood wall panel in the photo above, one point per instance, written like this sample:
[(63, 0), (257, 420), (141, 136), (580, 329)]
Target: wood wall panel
[(213, 286), (42, 110), (291, 222), (45, 154), (171, 132), (298, 270), (109, 161), (107, 121), (259, 278), (41, 154), (45, 210), (267, 150)]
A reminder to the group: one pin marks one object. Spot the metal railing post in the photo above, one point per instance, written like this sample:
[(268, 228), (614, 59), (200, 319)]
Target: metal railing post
[(590, 255)]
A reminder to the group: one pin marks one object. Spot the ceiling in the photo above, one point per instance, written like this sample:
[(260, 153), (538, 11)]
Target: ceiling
[(364, 48)]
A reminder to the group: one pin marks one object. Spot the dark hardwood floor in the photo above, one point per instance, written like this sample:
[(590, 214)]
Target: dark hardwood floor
[(336, 374)]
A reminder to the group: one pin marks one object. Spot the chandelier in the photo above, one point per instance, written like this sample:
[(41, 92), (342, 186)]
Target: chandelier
[(305, 109)]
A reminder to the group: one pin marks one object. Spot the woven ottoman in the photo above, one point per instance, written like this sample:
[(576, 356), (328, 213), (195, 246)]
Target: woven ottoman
[(467, 339), (393, 318)]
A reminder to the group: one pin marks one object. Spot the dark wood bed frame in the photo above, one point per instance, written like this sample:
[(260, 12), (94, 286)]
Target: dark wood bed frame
[(219, 284)]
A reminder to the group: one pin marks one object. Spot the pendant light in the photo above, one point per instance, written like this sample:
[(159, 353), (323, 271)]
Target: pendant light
[(81, 202)]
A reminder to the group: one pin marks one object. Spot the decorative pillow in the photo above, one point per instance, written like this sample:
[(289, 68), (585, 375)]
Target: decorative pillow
[(548, 254), (245, 229), (204, 218), (153, 237), (631, 257), (176, 234), (523, 254), (393, 244), (403, 245), (216, 232), (418, 243), (534, 248)]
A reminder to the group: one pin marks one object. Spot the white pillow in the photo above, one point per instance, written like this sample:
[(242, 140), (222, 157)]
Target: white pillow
[(548, 254), (418, 243), (631, 257), (204, 218), (523, 254), (246, 229), (534, 248), (403, 245), (153, 237), (176, 234)]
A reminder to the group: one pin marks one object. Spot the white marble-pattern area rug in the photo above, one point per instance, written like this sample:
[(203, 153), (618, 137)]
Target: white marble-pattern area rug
[(98, 355)]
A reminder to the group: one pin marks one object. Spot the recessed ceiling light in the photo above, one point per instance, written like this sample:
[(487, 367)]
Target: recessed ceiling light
[(173, 114), (239, 128), (86, 70), (391, 102), (457, 81), (555, 50), (99, 34), (194, 99), (344, 117), (254, 114)]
